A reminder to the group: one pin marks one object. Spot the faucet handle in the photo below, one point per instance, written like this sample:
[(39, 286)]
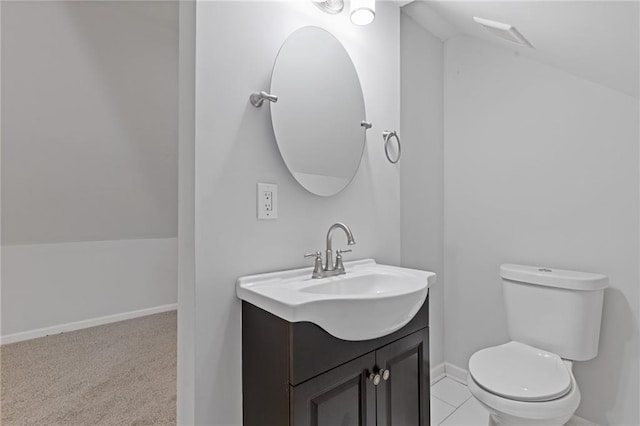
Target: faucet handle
[(317, 269), (339, 264)]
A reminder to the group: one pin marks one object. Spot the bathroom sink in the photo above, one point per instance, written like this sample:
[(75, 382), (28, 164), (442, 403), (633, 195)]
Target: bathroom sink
[(367, 283), (369, 301)]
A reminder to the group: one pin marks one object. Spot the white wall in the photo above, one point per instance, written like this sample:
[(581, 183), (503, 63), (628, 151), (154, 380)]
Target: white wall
[(45, 285), (236, 44), (541, 168), (421, 165), (89, 160), (186, 216), (0, 167)]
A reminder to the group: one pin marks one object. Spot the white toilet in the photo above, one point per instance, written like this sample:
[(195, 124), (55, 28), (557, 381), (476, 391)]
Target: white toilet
[(554, 319)]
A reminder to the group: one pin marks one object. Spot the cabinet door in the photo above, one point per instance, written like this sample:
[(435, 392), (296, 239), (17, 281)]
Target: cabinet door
[(343, 396), (403, 399)]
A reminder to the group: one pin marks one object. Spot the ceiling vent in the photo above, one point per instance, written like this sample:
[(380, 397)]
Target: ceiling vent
[(504, 31)]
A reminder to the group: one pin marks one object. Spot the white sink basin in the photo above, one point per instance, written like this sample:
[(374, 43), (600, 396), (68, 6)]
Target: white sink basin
[(367, 302)]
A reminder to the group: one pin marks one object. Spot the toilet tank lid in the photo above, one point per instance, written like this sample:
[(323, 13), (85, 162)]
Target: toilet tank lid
[(552, 277)]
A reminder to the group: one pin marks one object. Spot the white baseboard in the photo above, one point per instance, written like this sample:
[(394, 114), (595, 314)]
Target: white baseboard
[(579, 421), (437, 373), (92, 322), (456, 373)]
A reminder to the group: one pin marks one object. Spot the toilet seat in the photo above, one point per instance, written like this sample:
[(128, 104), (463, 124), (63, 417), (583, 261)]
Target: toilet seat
[(520, 372), (506, 411)]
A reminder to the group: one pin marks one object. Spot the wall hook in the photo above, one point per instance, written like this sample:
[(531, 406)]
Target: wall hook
[(257, 98)]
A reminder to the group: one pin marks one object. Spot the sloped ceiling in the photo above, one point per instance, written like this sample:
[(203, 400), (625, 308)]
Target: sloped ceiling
[(595, 40)]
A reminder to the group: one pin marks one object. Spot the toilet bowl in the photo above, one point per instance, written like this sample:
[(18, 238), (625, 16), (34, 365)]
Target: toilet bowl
[(522, 385), (553, 317)]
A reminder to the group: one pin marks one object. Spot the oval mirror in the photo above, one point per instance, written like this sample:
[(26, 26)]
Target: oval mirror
[(317, 119)]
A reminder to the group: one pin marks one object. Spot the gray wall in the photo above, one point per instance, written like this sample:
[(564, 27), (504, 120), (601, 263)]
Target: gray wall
[(89, 104), (186, 215), (422, 173), (236, 44), (89, 161), (541, 168)]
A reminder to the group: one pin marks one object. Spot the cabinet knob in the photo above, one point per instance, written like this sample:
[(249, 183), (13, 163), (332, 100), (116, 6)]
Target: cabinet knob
[(375, 378), (385, 374)]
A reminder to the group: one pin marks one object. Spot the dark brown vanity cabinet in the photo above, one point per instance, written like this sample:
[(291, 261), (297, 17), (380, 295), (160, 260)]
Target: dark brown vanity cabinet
[(341, 396), (297, 374)]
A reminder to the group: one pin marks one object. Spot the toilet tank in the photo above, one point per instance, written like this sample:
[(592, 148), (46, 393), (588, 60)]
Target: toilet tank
[(555, 310)]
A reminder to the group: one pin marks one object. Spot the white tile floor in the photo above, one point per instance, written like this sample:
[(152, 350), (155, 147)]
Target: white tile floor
[(453, 405)]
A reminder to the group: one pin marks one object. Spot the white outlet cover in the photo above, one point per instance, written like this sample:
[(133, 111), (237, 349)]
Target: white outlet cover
[(263, 212)]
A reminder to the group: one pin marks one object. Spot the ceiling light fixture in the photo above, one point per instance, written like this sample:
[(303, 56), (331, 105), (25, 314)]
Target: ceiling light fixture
[(504, 31), (363, 12), (332, 7)]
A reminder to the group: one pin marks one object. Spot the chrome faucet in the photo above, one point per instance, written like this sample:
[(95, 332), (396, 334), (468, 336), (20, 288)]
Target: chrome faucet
[(328, 264), (330, 269)]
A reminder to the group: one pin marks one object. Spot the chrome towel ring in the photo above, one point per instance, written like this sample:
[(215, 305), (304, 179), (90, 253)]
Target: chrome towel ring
[(388, 136)]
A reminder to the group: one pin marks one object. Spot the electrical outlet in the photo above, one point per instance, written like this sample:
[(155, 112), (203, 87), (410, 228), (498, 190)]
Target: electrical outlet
[(267, 201)]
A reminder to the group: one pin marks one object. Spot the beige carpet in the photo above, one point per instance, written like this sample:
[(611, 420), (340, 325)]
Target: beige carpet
[(116, 374)]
